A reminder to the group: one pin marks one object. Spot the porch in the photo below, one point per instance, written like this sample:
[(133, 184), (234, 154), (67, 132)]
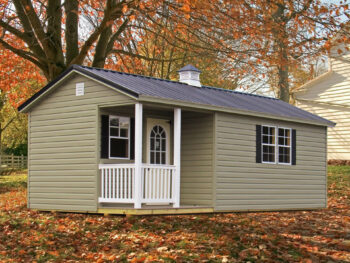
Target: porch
[(158, 184), (168, 162)]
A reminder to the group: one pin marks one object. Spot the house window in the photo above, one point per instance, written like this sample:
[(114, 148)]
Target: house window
[(284, 145), (268, 144), (276, 145), (119, 135)]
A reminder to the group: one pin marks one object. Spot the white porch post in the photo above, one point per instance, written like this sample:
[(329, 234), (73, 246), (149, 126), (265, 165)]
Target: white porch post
[(177, 154), (138, 155)]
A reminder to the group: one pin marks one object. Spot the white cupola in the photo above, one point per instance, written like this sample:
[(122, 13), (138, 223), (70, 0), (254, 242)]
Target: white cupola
[(190, 75)]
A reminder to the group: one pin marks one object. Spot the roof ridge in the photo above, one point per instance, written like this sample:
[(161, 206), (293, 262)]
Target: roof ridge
[(239, 92), (178, 82), (135, 75)]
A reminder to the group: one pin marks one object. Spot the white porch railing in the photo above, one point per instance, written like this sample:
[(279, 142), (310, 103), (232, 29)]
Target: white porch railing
[(118, 183)]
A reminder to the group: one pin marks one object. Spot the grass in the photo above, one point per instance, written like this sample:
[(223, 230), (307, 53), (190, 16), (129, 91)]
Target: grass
[(338, 180), (292, 236), (15, 180)]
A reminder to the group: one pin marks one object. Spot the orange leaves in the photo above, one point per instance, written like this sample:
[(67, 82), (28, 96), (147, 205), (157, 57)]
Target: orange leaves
[(186, 8), (54, 253), (295, 236), (125, 9)]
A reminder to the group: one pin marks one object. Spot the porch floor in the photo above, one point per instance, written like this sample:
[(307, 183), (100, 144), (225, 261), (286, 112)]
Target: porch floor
[(154, 210)]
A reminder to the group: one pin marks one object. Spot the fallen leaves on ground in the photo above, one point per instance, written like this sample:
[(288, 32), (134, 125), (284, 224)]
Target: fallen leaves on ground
[(295, 236)]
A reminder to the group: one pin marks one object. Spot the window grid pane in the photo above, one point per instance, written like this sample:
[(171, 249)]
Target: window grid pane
[(119, 136), (158, 145), (268, 144), (284, 145)]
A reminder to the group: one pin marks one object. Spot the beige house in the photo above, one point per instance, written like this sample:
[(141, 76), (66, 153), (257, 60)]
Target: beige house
[(102, 141), (329, 96)]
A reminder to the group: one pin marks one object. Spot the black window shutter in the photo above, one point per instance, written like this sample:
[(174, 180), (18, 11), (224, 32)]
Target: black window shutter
[(294, 147), (258, 143), (104, 136), (132, 138)]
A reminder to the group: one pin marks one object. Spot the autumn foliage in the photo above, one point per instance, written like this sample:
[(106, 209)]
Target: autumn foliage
[(19, 78), (239, 40), (295, 236)]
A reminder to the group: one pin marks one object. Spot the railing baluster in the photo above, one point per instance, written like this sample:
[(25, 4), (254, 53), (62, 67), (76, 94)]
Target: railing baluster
[(118, 190), (129, 183), (102, 183), (133, 183), (146, 182), (161, 184), (168, 171), (154, 183), (113, 184), (110, 183), (142, 184), (105, 183), (123, 181)]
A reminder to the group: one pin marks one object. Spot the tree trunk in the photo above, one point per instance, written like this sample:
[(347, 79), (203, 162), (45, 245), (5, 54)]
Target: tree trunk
[(281, 39), (283, 83), (71, 8), (101, 48)]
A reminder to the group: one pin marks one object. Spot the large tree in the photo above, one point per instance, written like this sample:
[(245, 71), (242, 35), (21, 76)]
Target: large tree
[(268, 38), (243, 37)]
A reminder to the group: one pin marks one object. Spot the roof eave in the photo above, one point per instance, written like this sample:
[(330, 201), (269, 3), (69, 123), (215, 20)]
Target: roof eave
[(312, 82), (145, 98)]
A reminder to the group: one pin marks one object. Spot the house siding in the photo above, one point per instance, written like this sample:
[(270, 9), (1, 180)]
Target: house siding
[(242, 184), (197, 159), (63, 153), (330, 99)]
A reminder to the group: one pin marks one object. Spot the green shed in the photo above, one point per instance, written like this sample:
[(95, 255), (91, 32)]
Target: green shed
[(102, 141)]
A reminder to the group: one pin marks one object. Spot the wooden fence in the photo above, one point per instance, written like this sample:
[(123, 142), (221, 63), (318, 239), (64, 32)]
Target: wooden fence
[(13, 162)]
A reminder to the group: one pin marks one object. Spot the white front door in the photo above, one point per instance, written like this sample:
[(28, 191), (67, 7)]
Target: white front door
[(158, 141)]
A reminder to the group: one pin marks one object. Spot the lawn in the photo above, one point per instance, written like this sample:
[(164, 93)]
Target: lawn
[(297, 236)]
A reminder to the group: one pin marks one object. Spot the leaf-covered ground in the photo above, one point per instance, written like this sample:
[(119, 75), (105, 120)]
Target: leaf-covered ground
[(299, 236)]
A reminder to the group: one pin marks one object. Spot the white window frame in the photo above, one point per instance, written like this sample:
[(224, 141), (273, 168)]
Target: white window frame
[(290, 146), (117, 137), (277, 146), (267, 144)]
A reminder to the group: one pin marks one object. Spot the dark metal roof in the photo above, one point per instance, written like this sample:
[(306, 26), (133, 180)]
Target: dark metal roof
[(189, 67), (138, 85)]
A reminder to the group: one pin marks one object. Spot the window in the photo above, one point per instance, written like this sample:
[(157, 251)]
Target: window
[(284, 145), (276, 145), (268, 144), (119, 135), (158, 145)]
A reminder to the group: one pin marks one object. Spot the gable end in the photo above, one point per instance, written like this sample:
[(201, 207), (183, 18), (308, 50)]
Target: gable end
[(24, 107)]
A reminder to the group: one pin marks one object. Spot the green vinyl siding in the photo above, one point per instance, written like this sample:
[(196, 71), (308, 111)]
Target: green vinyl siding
[(197, 159), (243, 184), (63, 146)]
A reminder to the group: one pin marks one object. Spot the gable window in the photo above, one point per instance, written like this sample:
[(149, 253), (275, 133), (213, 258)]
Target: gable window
[(119, 137), (275, 145)]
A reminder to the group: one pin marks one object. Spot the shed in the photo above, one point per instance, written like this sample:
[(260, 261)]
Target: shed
[(102, 141)]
